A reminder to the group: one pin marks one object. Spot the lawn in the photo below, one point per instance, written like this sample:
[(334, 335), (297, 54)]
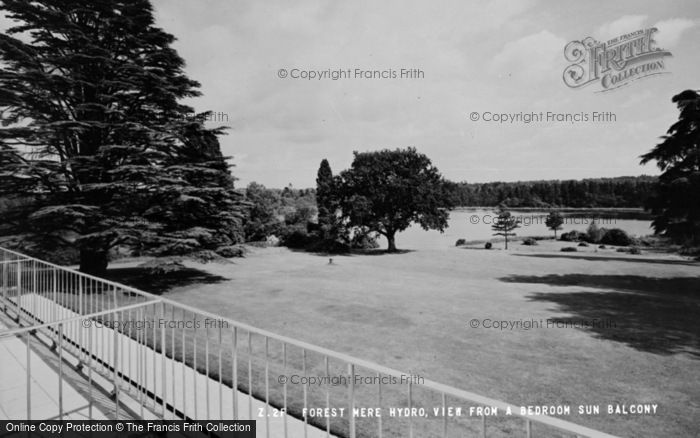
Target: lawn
[(412, 311)]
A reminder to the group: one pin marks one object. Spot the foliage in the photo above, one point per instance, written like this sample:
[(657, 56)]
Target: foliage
[(569, 249), (331, 229), (676, 199), (264, 213), (275, 212), (530, 242), (488, 245), (385, 191), (363, 238), (619, 192), (504, 224), (554, 221), (616, 237), (572, 236), (593, 233), (96, 151), (231, 251), (461, 242)]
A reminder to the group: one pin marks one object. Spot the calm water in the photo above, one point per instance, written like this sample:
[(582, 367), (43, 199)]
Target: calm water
[(476, 225)]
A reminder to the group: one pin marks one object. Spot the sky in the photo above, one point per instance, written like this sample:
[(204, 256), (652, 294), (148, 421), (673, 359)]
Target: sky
[(500, 56)]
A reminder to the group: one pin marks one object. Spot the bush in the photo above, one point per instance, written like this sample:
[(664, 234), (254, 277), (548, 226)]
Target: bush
[(583, 244), (231, 251), (593, 233), (461, 242), (602, 247), (297, 239), (364, 241), (572, 236), (635, 250), (569, 249), (530, 241), (616, 237), (488, 245)]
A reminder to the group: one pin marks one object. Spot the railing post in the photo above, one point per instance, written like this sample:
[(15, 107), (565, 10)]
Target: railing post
[(235, 373), (115, 375), (60, 371), (305, 390), (328, 396), (528, 428), (267, 387), (410, 409), (444, 415), (29, 377), (284, 388), (19, 291), (34, 290), (351, 396), (379, 404), (4, 282), (55, 291), (162, 360), (90, 398), (79, 339)]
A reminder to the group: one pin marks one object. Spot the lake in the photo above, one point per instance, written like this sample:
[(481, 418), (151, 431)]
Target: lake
[(475, 224)]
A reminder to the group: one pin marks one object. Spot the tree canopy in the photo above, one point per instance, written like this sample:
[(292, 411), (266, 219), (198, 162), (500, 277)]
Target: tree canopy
[(96, 150), (386, 191), (554, 221), (676, 199), (504, 224)]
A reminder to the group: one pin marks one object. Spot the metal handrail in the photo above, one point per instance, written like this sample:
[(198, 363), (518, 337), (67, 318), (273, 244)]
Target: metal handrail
[(439, 388), (17, 331)]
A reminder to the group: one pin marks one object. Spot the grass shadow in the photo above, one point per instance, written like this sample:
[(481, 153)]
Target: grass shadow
[(143, 278), (655, 315), (604, 258), (353, 252)]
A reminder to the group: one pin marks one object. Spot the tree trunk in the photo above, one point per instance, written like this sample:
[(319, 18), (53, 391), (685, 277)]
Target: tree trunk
[(555, 234), (93, 262), (506, 236), (392, 242)]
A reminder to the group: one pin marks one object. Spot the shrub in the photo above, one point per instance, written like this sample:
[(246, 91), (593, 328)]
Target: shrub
[(572, 236), (231, 251), (593, 233), (488, 245), (364, 241), (583, 244), (602, 247), (297, 239), (635, 250), (616, 237), (530, 241), (461, 242), (569, 249)]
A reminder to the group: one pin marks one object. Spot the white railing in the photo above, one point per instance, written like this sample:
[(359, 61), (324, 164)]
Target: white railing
[(162, 359)]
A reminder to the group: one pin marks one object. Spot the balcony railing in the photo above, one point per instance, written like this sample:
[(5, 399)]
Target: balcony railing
[(144, 356)]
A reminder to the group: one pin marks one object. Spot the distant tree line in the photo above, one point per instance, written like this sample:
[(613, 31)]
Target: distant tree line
[(621, 192)]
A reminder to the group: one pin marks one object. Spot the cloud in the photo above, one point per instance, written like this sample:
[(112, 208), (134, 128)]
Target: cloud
[(623, 25), (531, 57), (670, 31)]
